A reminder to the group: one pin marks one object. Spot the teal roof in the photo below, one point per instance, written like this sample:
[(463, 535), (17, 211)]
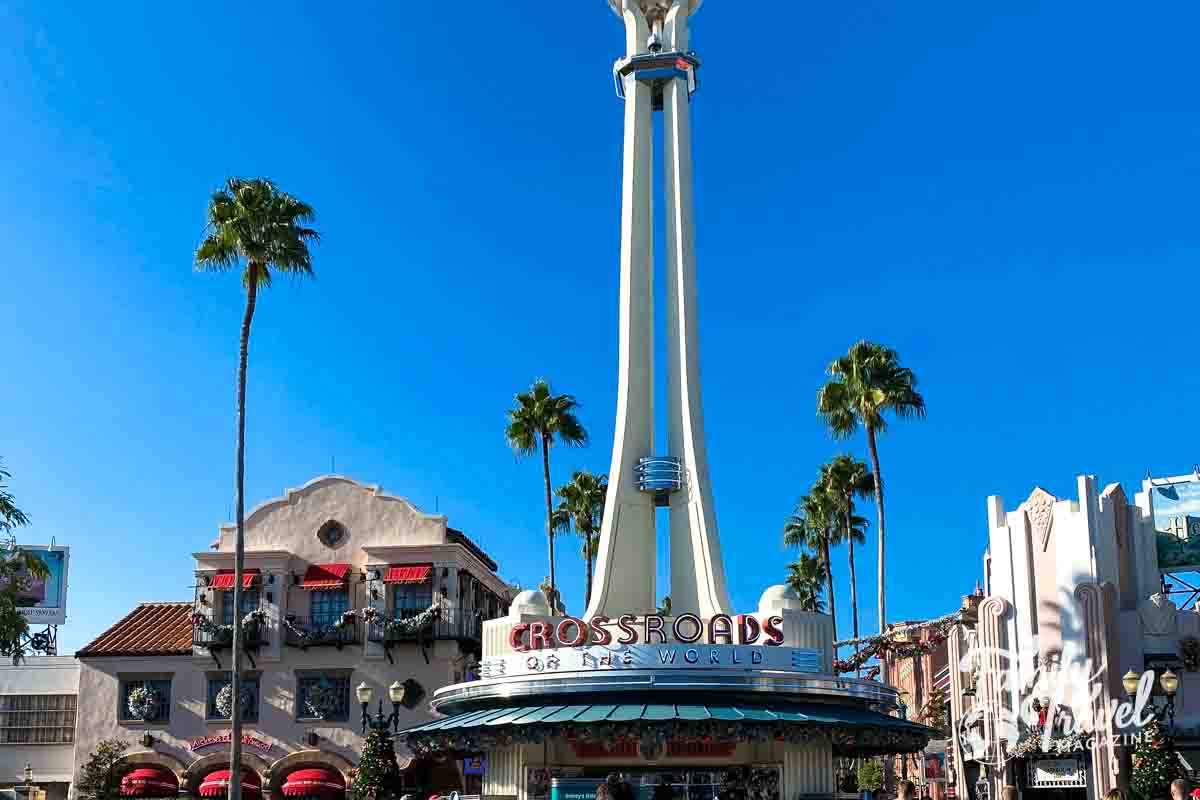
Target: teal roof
[(518, 716)]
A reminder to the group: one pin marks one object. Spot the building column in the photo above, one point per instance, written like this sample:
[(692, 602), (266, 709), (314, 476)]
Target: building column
[(697, 570), (807, 769), (627, 535)]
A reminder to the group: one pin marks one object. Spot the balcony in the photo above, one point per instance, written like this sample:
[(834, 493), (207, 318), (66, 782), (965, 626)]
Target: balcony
[(463, 626), (304, 632), (217, 637)]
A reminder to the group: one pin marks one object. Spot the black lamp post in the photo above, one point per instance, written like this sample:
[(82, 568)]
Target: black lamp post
[(378, 721), (1169, 682)]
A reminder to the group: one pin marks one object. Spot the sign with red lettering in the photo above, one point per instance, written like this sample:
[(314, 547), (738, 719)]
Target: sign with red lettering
[(248, 740), (721, 629)]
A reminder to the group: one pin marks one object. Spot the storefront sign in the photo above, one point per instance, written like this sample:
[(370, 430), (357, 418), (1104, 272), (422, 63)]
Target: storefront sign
[(1056, 772), (657, 657), (688, 628), (248, 740), (476, 765)]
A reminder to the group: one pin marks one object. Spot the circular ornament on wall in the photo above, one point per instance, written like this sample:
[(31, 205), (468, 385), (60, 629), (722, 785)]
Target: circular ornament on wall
[(332, 534)]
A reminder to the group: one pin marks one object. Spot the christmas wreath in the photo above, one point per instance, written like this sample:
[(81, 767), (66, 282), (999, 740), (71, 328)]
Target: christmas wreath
[(323, 701), (144, 703), (224, 701), (1189, 651)]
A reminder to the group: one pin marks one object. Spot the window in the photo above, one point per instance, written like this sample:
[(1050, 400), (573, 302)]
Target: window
[(411, 599), (331, 534), (250, 602), (161, 686), (330, 688), (37, 718), (249, 691), (327, 607)]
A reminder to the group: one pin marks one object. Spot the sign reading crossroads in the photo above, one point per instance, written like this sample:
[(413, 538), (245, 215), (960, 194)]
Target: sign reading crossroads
[(653, 657)]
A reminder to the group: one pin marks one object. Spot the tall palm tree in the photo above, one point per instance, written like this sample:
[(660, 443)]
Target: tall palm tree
[(10, 516), (542, 418), (845, 478), (814, 524), (806, 577), (581, 506), (253, 225), (866, 383)]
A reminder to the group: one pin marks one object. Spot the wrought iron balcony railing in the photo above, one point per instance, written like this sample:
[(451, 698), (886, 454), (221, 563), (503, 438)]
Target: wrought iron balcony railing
[(455, 624), (213, 636), (305, 632)]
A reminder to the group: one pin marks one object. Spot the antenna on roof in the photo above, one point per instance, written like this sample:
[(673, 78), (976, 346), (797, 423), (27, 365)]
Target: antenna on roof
[(333, 465)]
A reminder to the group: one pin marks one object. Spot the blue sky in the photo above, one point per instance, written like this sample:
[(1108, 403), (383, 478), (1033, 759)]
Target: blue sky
[(1005, 194)]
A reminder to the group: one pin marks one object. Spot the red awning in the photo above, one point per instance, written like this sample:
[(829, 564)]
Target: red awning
[(325, 576), (149, 782), (407, 573), (223, 580), (216, 784), (315, 781)]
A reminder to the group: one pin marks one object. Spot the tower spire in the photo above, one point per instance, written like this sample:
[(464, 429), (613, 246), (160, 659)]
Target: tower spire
[(658, 73)]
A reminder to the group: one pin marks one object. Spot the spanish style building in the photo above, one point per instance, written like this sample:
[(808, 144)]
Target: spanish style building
[(344, 585)]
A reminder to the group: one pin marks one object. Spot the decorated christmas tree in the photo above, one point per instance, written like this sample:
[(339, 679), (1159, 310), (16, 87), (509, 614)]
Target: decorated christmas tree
[(378, 775), (1155, 763)]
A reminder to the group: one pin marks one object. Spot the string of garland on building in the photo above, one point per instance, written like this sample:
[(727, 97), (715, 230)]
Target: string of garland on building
[(886, 644)]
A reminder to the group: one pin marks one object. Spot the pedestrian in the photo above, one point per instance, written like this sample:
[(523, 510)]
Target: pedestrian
[(906, 790), (1181, 789)]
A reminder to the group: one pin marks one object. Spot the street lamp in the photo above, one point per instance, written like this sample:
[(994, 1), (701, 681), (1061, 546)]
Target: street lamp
[(378, 721), (1169, 682), (28, 774), (1130, 682)]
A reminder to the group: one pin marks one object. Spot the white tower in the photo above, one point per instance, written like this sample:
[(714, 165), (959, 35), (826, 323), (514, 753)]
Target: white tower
[(658, 73)]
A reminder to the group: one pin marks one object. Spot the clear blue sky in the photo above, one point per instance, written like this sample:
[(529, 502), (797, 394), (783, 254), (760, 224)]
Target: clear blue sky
[(1005, 194)]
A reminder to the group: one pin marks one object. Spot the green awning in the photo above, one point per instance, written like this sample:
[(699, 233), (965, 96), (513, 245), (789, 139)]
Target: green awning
[(517, 716)]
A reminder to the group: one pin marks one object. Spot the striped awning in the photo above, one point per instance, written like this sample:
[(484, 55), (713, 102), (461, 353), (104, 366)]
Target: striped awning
[(851, 730), (149, 782), (216, 783), (529, 715), (314, 781), (223, 580), (407, 573), (325, 576)]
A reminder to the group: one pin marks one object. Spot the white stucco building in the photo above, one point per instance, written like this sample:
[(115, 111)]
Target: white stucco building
[(330, 547), (38, 700)]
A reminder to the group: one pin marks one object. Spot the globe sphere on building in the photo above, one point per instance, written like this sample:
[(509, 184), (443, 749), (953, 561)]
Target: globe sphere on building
[(530, 601), (777, 598)]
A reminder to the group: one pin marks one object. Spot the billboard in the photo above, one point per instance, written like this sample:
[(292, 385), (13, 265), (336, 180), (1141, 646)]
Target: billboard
[(44, 602)]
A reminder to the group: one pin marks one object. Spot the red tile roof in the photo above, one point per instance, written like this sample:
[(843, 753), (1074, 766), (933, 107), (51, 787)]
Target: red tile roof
[(151, 629)]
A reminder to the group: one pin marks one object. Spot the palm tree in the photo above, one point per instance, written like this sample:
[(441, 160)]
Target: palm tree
[(582, 506), (845, 478), (253, 225), (813, 524), (10, 516), (543, 418), (867, 382), (805, 576)]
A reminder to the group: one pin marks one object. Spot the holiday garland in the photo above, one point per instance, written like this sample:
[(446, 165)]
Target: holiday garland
[(224, 633), (144, 703), (884, 645), (1033, 742)]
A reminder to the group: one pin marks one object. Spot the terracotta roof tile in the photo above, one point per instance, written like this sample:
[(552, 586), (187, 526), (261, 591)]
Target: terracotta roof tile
[(151, 629)]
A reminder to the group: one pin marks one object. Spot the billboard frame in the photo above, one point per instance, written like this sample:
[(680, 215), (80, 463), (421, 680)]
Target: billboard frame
[(35, 615)]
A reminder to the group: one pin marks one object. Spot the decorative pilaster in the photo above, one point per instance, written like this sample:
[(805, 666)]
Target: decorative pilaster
[(808, 769), (994, 615), (1097, 604), (957, 709)]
